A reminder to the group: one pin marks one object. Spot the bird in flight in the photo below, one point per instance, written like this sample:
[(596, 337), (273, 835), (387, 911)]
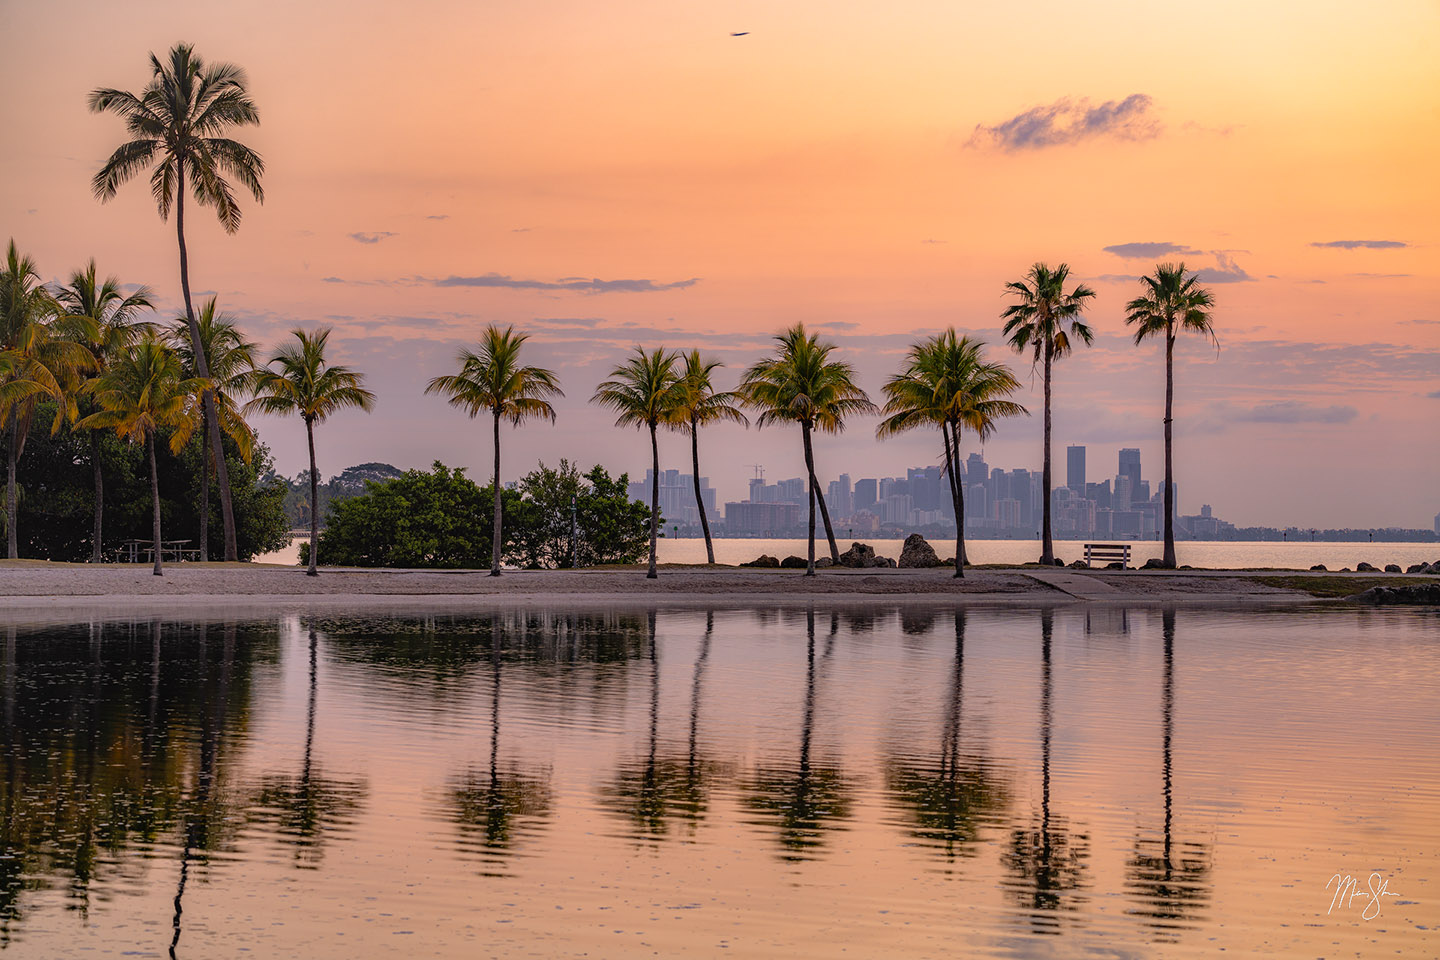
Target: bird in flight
[(742, 33)]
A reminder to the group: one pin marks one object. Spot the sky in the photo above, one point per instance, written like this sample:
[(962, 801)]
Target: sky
[(607, 175)]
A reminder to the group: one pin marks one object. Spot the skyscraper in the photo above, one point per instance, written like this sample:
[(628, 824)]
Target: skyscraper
[(1130, 467), (1075, 468), (865, 494)]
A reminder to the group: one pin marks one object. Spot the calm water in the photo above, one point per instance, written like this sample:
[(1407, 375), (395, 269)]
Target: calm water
[(610, 783)]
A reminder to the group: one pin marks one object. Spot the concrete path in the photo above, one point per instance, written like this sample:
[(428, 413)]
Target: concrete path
[(1076, 584)]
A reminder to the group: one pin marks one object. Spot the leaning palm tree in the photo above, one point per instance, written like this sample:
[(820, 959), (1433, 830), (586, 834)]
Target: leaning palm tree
[(1173, 301), (179, 124), (946, 382), (491, 380), (230, 358), (799, 383), (698, 404), (299, 380), (643, 391), (1046, 321), (143, 393), (104, 318), (39, 361)]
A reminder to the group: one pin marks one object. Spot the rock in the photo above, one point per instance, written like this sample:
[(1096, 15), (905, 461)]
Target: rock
[(948, 562), (1415, 568), (861, 556), (764, 560), (1320, 566), (794, 563), (917, 553), (1363, 567), (1059, 562), (1079, 565), (1426, 594), (1154, 563), (1392, 568), (822, 562), (1343, 570), (1186, 566), (1114, 565)]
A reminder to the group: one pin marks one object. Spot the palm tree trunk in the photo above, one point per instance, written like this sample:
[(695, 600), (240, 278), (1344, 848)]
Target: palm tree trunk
[(699, 501), (202, 367), (154, 503), (314, 499), (1169, 558), (495, 528), (1047, 545), (950, 460), (810, 471), (825, 518), (95, 549), (12, 493), (654, 500), (204, 498)]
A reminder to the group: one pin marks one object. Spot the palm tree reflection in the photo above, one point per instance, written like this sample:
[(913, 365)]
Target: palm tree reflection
[(1046, 859), (1169, 880), (951, 799), (806, 800)]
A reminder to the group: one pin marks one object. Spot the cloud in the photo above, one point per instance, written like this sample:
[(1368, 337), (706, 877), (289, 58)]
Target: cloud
[(519, 229), (934, 241), (1381, 276), (1226, 270), (1116, 278), (1294, 411), (375, 237), (331, 280), (1149, 250), (569, 321), (1433, 395), (438, 216), (574, 284), (1069, 121), (1362, 244)]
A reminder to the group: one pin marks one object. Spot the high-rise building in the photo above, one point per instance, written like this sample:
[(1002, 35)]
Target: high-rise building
[(837, 496), (1437, 524), (792, 490), (1100, 493), (1130, 467), (866, 494), (1120, 500), (1075, 468), (1022, 488), (677, 496), (976, 470)]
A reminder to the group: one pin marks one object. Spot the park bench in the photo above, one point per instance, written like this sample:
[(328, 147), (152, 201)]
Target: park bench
[(1107, 553)]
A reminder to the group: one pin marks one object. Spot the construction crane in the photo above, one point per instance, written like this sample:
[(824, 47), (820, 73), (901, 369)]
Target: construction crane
[(759, 470)]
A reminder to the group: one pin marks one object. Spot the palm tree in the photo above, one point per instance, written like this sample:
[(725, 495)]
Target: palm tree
[(492, 380), (142, 393), (1173, 301), (643, 391), (179, 124), (105, 320), (947, 383), (698, 404), (230, 358), (299, 380), (36, 361), (800, 384), (1046, 320)]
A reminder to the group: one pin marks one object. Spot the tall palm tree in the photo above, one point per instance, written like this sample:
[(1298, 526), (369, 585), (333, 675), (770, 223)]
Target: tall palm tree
[(1173, 302), (799, 383), (142, 393), (180, 124), (1046, 321), (230, 358), (947, 382), (37, 360), (643, 391), (105, 320), (698, 404), (491, 380), (299, 380)]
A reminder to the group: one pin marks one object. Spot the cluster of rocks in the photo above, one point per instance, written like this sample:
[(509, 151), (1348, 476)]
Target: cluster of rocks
[(1420, 594), (1362, 567), (915, 554)]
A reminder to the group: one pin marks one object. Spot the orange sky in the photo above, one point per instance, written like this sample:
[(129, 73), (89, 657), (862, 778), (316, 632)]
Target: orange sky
[(832, 166)]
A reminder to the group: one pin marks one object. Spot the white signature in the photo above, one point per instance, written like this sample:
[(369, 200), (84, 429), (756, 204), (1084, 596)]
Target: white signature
[(1348, 890)]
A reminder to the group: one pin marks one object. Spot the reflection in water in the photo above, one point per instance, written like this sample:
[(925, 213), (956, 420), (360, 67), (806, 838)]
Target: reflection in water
[(498, 807), (657, 790), (1046, 859), (1171, 881), (302, 811), (806, 800), (950, 799)]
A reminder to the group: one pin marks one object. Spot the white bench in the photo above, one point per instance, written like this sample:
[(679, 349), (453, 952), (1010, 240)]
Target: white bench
[(1107, 553)]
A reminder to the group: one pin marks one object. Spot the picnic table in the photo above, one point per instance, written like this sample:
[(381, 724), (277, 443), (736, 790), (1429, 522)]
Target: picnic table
[(176, 551)]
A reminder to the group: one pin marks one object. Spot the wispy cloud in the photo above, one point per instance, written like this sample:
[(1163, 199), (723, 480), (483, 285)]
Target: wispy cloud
[(1381, 276), (1148, 250), (1361, 244), (1294, 411), (1068, 121), (438, 216), (572, 284), (375, 237), (1226, 270), (1433, 394)]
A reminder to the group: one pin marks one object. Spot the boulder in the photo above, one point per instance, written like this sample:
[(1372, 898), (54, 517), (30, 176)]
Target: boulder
[(1115, 565), (1059, 562), (822, 562), (1321, 567), (1392, 568), (764, 560), (1416, 568), (860, 556), (1079, 565), (794, 563), (918, 553), (1363, 567), (1154, 563), (1425, 594), (885, 562)]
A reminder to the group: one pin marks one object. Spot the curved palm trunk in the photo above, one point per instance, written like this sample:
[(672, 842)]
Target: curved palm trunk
[(1047, 545), (654, 500), (95, 548), (825, 517), (202, 365), (700, 501), (314, 500), (810, 472), (154, 503), (204, 498), (952, 458), (495, 527), (1169, 558), (12, 494)]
